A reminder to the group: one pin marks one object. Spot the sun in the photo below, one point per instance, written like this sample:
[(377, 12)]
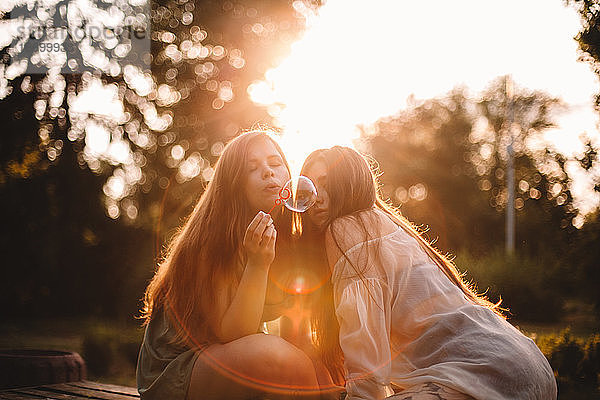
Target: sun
[(359, 62), (306, 124)]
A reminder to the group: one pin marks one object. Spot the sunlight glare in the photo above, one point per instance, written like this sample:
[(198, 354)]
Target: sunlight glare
[(358, 62)]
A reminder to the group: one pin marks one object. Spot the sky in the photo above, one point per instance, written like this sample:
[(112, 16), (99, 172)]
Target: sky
[(359, 61)]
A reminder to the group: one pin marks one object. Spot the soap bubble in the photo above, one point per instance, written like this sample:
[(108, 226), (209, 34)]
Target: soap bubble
[(299, 197)]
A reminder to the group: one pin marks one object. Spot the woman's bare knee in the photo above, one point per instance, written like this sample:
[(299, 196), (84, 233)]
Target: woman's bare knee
[(259, 362), (288, 364)]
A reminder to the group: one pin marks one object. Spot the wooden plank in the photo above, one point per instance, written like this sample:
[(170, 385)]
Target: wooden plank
[(124, 390), (23, 394), (34, 393), (15, 396), (11, 396), (64, 388), (72, 390)]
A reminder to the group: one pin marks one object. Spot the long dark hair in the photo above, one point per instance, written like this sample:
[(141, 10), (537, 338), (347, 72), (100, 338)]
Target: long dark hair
[(352, 186), (205, 252)]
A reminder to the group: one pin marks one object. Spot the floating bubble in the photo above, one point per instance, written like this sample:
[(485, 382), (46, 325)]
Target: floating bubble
[(299, 197), (304, 195)]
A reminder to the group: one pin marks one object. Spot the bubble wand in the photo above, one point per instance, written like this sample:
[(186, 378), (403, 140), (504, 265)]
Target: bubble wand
[(284, 195)]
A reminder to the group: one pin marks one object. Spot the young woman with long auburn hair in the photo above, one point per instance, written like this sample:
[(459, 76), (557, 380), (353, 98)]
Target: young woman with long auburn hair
[(397, 320), (208, 298)]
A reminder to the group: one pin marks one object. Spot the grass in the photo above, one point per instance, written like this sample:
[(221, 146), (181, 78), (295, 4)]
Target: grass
[(578, 316)]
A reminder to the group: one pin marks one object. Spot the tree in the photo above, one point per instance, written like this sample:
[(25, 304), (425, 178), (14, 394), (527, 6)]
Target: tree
[(65, 162), (589, 36), (422, 154), (164, 129), (444, 162)]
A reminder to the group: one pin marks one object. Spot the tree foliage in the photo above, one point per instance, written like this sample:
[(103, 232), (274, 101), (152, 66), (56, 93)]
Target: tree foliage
[(165, 129), (149, 130), (589, 36), (444, 162)]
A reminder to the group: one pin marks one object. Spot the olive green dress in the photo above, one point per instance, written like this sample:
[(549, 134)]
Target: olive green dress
[(163, 370)]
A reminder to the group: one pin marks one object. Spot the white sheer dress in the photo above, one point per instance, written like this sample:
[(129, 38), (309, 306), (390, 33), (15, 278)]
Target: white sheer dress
[(407, 324)]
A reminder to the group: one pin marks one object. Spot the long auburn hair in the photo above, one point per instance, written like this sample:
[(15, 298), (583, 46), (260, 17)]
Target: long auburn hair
[(205, 252), (353, 186)]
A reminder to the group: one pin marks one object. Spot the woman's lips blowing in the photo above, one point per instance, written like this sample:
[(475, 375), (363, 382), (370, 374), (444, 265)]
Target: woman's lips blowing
[(272, 188)]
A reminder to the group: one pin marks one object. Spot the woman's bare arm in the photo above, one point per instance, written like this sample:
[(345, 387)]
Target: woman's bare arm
[(243, 315)]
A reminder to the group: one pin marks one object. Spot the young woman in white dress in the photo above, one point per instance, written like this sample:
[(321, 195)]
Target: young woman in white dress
[(408, 326)]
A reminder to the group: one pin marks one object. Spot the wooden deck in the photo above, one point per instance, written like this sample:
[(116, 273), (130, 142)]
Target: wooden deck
[(72, 390)]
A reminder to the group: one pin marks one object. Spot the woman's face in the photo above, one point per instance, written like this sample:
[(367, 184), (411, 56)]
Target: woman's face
[(319, 213), (266, 175)]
